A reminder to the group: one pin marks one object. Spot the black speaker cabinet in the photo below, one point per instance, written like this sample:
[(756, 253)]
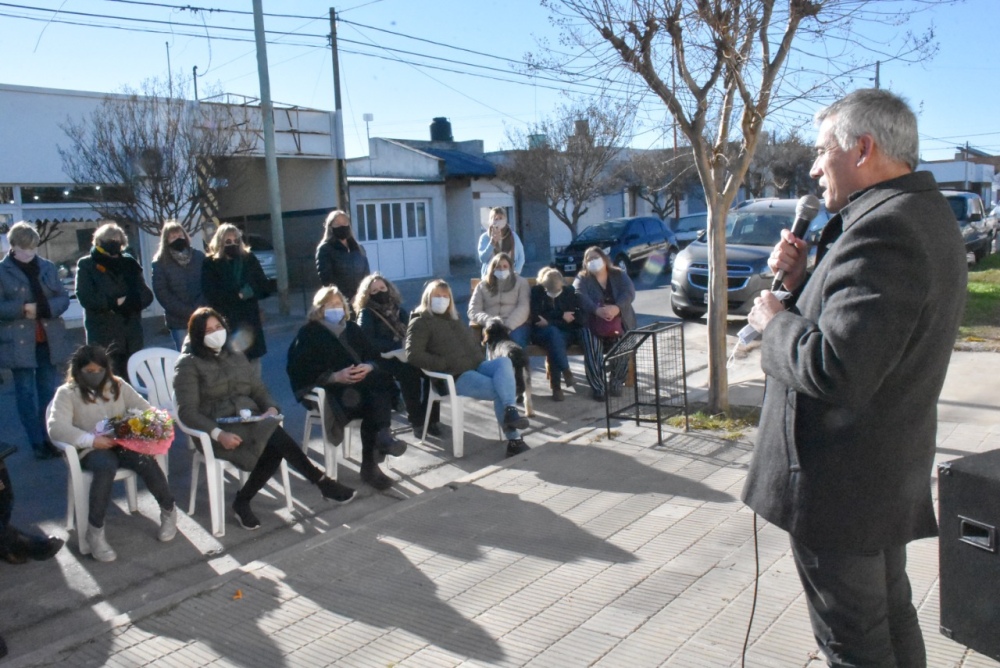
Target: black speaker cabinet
[(969, 506)]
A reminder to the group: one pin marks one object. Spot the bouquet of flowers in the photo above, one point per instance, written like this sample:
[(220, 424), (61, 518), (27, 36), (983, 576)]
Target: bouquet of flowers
[(148, 432)]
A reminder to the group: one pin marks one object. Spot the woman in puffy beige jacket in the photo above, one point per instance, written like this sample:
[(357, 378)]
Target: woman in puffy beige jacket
[(503, 294)]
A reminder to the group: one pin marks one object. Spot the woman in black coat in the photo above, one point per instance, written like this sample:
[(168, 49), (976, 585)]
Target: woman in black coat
[(332, 352), (177, 271), (340, 260), (113, 293), (232, 282), (383, 321)]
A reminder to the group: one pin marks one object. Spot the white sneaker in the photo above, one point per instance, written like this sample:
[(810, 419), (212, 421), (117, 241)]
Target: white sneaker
[(168, 524), (98, 544)]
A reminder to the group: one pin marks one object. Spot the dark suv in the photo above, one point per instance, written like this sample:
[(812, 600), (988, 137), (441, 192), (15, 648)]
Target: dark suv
[(629, 242), (751, 234), (971, 216)]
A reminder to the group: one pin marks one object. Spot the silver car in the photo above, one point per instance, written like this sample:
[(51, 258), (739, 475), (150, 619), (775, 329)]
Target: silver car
[(751, 233)]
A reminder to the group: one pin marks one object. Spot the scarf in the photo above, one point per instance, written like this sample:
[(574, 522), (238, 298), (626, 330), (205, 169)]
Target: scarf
[(182, 258), (389, 313), (506, 244)]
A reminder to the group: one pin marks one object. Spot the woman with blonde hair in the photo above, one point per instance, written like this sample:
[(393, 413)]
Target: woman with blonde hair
[(436, 340), (177, 268), (340, 259), (113, 294), (333, 352), (503, 294), (383, 321), (233, 284), (500, 238), (557, 322)]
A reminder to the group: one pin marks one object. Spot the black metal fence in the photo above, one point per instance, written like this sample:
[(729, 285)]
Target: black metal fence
[(646, 376)]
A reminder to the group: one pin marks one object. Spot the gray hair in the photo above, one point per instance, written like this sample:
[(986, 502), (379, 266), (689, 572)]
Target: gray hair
[(109, 232), (879, 113), (23, 235)]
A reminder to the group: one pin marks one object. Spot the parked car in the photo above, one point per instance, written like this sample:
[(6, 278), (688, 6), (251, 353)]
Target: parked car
[(629, 242), (754, 231), (976, 230), (264, 252), (687, 228)]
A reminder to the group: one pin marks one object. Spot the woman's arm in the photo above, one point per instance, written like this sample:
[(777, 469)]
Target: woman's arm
[(256, 277), (624, 290), (57, 296), (88, 293), (418, 336), (522, 309), (132, 398), (485, 250), (477, 313), (61, 421), (583, 285), (188, 394), (518, 253), (324, 263)]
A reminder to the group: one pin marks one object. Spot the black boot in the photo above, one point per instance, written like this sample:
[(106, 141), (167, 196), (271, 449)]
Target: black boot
[(245, 516), (557, 393), (388, 444), (333, 490), (372, 474)]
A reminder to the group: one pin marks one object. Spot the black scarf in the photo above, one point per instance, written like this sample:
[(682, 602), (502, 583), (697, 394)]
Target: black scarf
[(389, 313), (32, 270)]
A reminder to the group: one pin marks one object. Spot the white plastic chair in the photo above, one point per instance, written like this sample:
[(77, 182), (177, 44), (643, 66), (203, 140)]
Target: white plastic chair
[(215, 470), (151, 373), (78, 490), (332, 454), (457, 410)]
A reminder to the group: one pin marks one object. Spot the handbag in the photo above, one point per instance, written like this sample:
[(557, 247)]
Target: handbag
[(606, 329)]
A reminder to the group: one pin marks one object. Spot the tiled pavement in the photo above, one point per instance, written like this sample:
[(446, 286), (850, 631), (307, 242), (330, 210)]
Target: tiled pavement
[(583, 552)]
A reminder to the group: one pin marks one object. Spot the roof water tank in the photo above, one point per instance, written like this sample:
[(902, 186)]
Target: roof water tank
[(441, 129)]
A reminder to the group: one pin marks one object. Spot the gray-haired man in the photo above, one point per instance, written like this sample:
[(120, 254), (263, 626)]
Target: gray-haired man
[(855, 361)]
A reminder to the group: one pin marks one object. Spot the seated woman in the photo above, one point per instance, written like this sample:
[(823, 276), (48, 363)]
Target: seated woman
[(383, 321), (90, 395), (557, 322), (437, 340), (606, 294), (505, 295), (333, 352), (211, 382)]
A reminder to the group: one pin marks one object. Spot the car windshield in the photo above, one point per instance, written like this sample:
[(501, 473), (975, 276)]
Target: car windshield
[(611, 229), (759, 229), (692, 223), (958, 207)]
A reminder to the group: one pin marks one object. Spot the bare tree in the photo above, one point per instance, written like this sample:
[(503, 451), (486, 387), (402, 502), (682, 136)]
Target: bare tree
[(162, 156), (568, 160), (662, 177), (781, 164), (729, 57)]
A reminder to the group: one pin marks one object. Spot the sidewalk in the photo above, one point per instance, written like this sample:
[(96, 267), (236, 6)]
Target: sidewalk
[(584, 551)]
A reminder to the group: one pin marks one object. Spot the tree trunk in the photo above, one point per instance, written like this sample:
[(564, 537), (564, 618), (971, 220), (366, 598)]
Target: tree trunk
[(718, 309)]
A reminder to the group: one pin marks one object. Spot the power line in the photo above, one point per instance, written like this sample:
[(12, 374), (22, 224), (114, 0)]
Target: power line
[(211, 10)]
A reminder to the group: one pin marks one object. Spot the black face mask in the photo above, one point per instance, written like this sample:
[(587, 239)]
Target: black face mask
[(380, 297), (111, 247), (180, 244), (342, 232), (232, 250), (93, 379)]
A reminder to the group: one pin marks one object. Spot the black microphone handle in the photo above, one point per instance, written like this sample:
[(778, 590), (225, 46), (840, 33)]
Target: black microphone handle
[(799, 229)]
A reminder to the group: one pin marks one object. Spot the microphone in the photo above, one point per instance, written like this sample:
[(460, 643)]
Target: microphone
[(805, 211)]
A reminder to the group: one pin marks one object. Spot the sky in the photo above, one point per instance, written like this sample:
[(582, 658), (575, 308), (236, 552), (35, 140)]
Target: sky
[(386, 66)]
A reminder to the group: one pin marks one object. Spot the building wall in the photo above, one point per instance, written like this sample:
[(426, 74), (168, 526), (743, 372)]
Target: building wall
[(462, 221), (388, 158)]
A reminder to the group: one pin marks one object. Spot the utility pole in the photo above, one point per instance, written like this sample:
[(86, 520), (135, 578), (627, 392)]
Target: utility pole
[(194, 78), (878, 67), (340, 163), (170, 72), (270, 159)]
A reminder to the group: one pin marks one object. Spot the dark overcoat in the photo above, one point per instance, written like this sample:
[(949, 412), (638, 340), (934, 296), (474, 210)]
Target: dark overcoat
[(222, 279), (847, 434), (343, 266), (100, 282), (178, 287), (591, 294)]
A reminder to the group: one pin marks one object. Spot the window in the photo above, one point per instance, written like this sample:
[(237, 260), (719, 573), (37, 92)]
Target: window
[(391, 220)]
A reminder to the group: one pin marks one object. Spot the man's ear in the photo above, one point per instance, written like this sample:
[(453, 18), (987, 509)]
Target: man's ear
[(864, 149)]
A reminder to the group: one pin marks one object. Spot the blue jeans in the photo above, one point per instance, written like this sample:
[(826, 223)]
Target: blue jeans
[(33, 390), (555, 342), (178, 336), (521, 334), (493, 379)]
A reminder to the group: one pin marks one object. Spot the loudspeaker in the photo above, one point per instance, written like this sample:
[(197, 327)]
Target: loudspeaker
[(969, 506)]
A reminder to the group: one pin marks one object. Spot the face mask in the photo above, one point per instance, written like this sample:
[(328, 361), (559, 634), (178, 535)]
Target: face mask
[(500, 223), (93, 379), (231, 251), (216, 340), (23, 254), (341, 232), (502, 274), (440, 305), (379, 297), (179, 244), (595, 265), (553, 295), (333, 315), (111, 247)]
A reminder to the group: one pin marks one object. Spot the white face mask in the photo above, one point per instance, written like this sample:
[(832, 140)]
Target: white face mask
[(502, 274), (24, 254), (216, 340), (440, 305), (553, 295), (595, 265), (333, 315)]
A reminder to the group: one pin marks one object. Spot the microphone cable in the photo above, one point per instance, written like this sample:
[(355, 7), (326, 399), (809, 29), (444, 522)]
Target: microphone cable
[(756, 581)]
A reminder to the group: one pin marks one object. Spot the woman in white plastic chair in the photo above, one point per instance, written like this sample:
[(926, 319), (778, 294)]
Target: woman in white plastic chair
[(212, 381), (92, 393), (436, 340)]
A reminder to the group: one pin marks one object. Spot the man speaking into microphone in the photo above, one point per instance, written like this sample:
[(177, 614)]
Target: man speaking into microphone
[(855, 361)]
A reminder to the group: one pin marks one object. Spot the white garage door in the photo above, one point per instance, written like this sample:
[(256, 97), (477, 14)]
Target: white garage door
[(395, 236)]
